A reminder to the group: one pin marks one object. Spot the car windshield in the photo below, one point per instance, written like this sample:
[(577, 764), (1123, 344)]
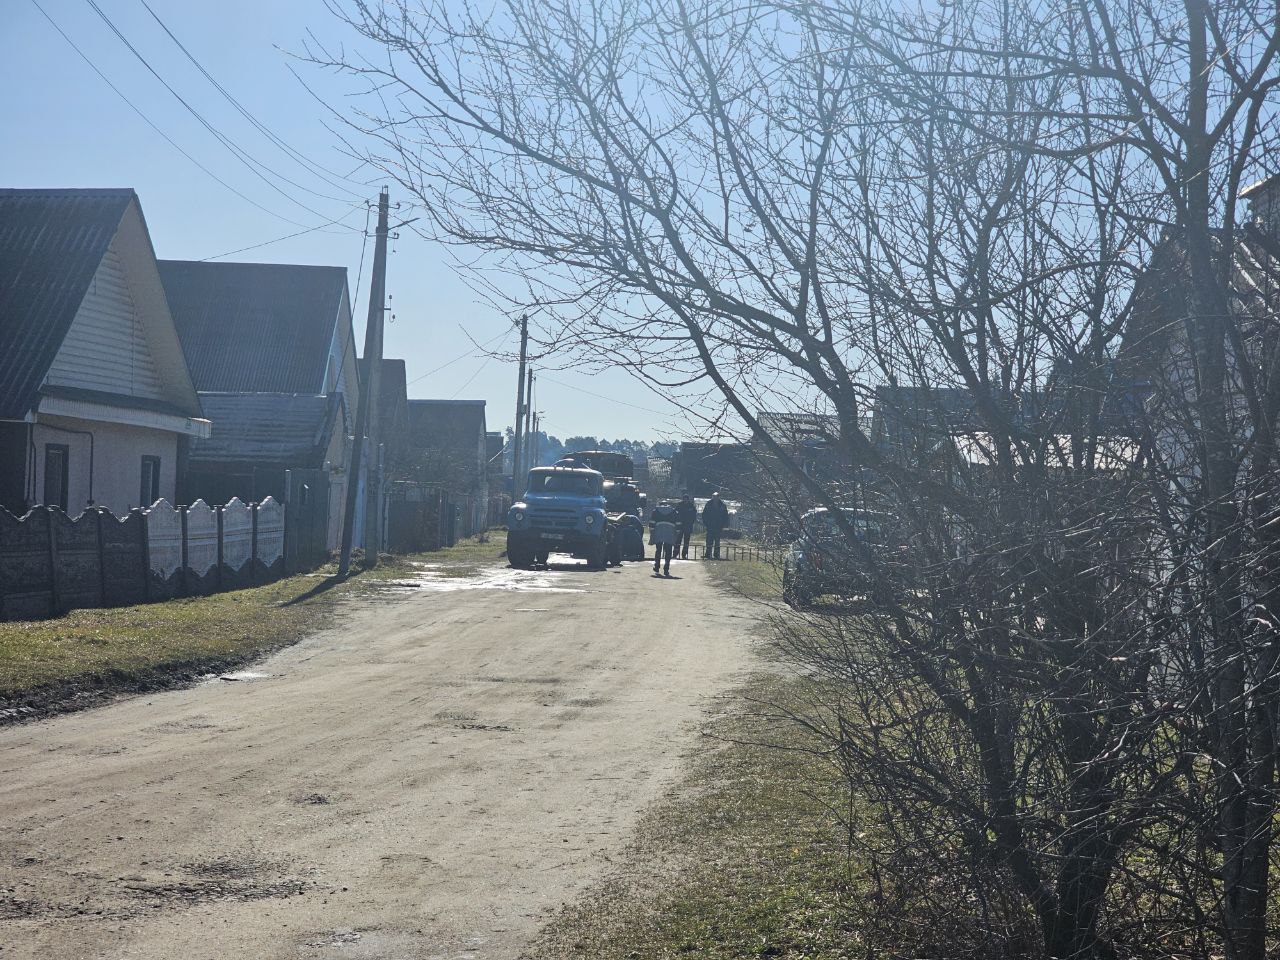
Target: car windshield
[(823, 525), (564, 482)]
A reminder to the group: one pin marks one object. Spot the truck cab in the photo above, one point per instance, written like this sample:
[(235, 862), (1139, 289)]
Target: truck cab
[(562, 511)]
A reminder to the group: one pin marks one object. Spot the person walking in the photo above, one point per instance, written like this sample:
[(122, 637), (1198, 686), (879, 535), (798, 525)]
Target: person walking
[(715, 517), (687, 512), (662, 534)]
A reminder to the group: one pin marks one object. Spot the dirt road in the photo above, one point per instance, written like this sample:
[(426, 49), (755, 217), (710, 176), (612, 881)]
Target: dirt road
[(432, 779)]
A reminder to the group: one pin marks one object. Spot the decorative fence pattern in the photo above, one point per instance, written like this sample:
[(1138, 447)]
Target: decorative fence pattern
[(51, 563)]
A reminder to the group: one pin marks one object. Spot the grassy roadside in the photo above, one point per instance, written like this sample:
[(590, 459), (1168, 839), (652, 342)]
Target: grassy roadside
[(74, 660), (744, 858)]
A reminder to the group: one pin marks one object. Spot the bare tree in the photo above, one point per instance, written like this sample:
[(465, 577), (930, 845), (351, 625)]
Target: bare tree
[(937, 222)]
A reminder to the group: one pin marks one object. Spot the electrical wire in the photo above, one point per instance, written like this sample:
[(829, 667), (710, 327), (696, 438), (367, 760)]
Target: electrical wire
[(448, 363), (236, 150), (471, 378), (319, 170), (267, 243), (364, 245), (600, 396), (149, 122)]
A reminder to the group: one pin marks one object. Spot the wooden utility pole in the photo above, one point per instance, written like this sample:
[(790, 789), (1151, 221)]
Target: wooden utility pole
[(532, 418), (373, 353), (515, 440)]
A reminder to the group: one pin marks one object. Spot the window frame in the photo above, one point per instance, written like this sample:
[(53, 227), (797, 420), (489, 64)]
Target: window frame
[(152, 461), (64, 449)]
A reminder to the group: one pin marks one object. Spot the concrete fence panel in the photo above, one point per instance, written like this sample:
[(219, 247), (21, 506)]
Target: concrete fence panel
[(124, 552), (51, 563), (26, 566), (269, 538), (202, 548), (164, 549), (236, 562)]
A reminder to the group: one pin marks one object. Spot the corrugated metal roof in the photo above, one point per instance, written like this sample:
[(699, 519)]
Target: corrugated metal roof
[(51, 242), (267, 428), (255, 327)]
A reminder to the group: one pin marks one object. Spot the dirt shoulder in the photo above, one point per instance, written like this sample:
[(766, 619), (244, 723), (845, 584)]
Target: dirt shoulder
[(746, 857), (88, 657)]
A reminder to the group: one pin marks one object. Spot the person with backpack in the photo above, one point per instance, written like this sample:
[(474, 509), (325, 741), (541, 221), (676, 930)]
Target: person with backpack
[(715, 517), (662, 534)]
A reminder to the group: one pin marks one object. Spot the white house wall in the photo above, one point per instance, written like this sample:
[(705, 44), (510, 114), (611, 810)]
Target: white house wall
[(117, 461), (106, 349)]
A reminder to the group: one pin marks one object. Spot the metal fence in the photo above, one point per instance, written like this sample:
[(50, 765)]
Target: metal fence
[(51, 563), (735, 550)]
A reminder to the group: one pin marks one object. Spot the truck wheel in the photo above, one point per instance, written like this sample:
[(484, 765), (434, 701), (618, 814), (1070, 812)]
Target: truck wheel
[(615, 552), (520, 555), (597, 559)]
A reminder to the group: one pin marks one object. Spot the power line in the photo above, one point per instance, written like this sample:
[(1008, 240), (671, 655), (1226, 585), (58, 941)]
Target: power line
[(364, 245), (470, 378), (148, 121), (236, 150), (470, 353), (319, 170), (600, 396), (267, 243)]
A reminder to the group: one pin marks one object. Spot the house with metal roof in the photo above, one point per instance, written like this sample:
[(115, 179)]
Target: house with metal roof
[(271, 349), (97, 404), (447, 446)]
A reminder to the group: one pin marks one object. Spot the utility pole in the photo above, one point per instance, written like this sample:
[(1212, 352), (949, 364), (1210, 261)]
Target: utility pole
[(373, 354), (533, 421), (528, 422), (515, 440)]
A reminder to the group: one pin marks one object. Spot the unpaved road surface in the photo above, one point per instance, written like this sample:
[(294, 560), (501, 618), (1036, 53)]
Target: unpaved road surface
[(431, 779)]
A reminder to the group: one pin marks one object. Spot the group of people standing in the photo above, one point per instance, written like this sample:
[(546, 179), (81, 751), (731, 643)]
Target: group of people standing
[(671, 529)]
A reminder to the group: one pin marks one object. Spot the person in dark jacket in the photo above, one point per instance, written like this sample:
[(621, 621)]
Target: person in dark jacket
[(687, 511), (715, 517)]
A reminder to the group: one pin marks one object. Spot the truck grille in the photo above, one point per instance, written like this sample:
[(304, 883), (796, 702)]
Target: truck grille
[(553, 518)]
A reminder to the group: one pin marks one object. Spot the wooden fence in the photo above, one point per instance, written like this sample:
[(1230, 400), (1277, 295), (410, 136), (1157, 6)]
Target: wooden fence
[(51, 563)]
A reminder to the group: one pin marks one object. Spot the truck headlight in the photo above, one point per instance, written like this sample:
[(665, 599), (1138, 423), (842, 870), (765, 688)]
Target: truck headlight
[(590, 519), (517, 516)]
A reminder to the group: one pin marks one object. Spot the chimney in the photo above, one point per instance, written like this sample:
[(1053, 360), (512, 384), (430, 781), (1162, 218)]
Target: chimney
[(1264, 204)]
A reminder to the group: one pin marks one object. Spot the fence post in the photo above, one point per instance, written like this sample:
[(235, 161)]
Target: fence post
[(146, 555), (285, 565), (102, 561), (253, 545), (55, 593), (186, 575), (218, 512)]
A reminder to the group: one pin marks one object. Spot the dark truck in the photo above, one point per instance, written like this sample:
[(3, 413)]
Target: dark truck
[(562, 511)]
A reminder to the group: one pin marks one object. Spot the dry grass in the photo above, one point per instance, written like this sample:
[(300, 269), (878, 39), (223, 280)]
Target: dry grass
[(133, 647), (743, 859)]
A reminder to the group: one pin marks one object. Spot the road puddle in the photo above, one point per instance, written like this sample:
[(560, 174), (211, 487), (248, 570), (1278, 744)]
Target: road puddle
[(440, 578), (236, 676)]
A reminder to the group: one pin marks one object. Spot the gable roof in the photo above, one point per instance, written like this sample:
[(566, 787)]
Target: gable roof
[(51, 243), (267, 428), (256, 327), (392, 404)]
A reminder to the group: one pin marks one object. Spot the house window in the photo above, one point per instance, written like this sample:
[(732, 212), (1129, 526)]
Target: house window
[(150, 491), (56, 458)]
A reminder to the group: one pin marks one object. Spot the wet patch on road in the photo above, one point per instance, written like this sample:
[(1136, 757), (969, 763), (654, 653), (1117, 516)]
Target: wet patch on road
[(439, 578)]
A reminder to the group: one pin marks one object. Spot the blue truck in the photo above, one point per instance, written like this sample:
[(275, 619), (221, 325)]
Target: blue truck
[(563, 510)]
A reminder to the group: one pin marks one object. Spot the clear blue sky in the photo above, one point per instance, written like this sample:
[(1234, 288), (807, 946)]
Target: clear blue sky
[(64, 127)]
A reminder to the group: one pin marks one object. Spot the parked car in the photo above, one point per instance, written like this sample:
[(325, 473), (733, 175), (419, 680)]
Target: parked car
[(825, 561)]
